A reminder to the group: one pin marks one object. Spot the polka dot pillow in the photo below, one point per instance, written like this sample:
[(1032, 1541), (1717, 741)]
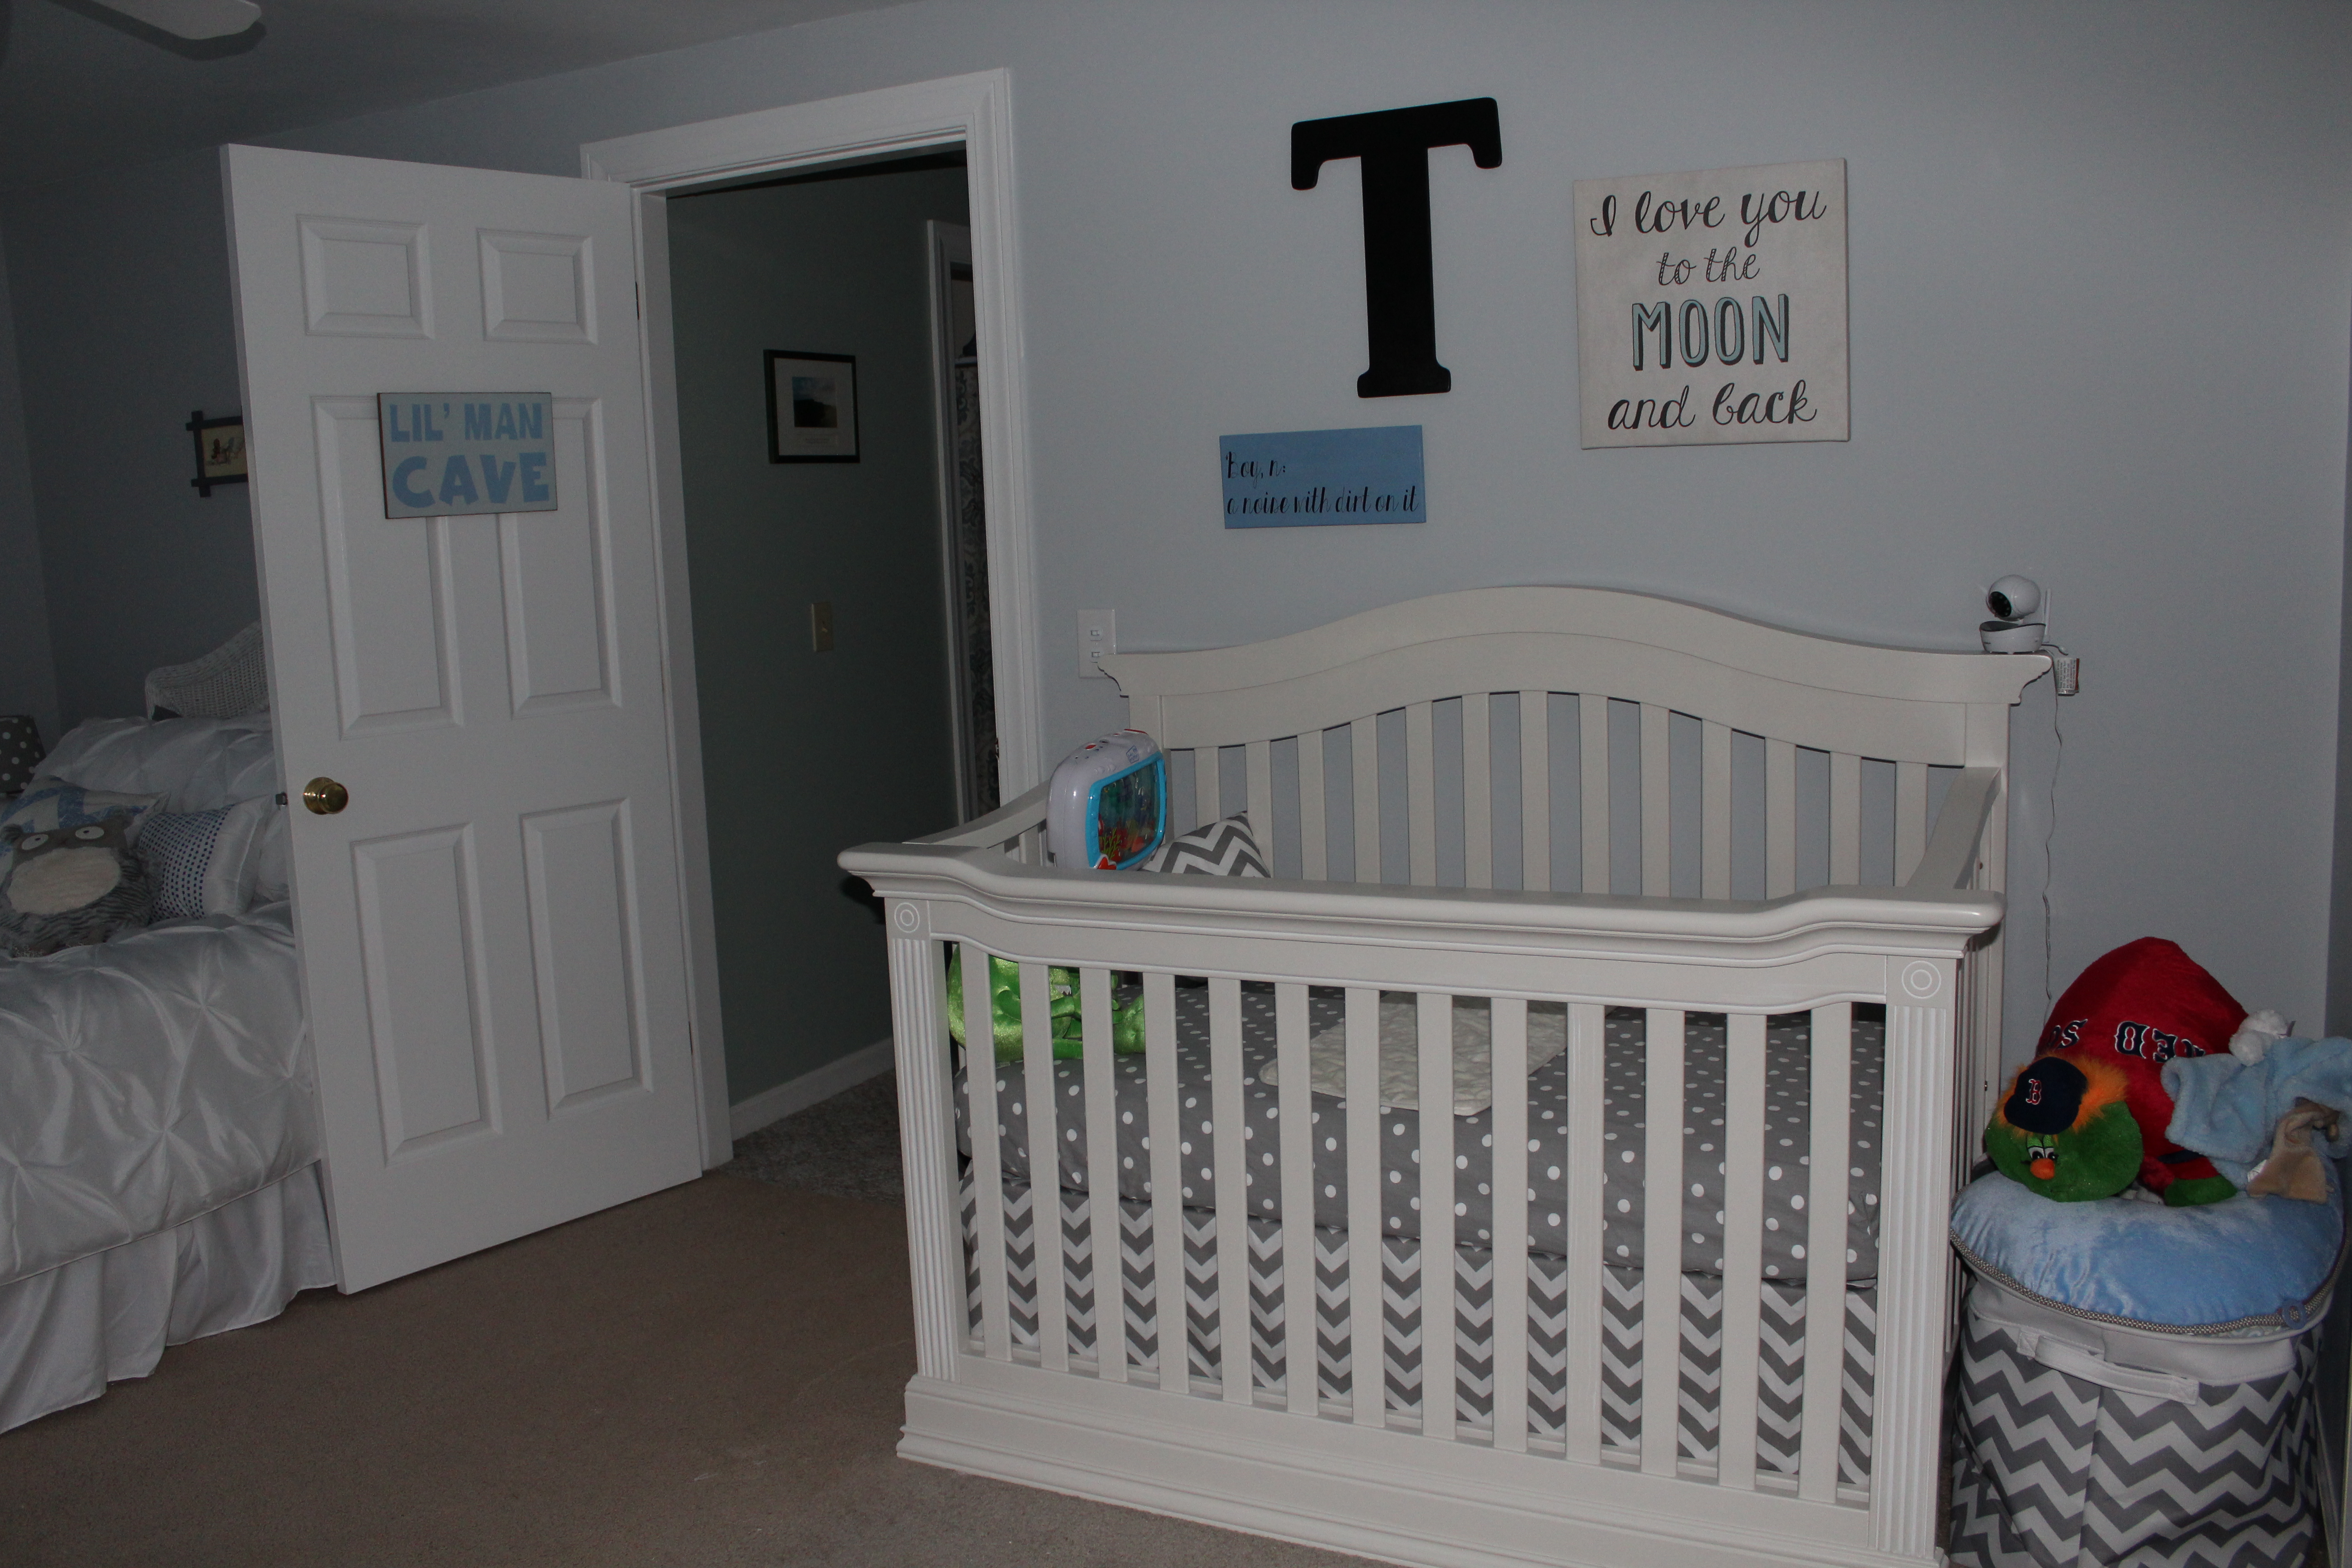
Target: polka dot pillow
[(205, 862), (178, 849), (20, 752)]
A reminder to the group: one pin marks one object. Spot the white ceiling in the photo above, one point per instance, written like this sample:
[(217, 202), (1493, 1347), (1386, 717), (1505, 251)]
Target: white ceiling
[(83, 87)]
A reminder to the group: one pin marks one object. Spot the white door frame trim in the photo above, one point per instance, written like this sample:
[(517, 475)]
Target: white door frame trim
[(975, 110)]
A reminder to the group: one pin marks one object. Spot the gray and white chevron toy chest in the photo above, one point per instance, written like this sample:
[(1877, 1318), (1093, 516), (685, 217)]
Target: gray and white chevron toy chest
[(2081, 1438)]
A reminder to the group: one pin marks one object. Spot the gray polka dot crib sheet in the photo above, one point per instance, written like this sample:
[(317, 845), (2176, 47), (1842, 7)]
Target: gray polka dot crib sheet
[(1786, 1138)]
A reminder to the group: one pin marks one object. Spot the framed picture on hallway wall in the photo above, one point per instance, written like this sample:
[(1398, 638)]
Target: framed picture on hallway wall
[(812, 407)]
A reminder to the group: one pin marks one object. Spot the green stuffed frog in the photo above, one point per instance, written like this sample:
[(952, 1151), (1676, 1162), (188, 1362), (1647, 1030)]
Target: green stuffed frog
[(1062, 988)]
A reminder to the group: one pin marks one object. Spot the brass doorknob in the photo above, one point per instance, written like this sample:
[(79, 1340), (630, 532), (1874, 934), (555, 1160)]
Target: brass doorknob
[(325, 797)]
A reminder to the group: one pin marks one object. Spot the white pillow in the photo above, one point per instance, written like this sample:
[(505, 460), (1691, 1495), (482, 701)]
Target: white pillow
[(231, 883), (272, 878), (195, 764)]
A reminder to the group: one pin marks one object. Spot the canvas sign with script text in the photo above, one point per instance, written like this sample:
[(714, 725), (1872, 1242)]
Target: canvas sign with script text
[(1711, 306)]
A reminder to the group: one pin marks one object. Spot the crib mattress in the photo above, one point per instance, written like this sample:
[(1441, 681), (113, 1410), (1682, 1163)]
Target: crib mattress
[(1786, 1138)]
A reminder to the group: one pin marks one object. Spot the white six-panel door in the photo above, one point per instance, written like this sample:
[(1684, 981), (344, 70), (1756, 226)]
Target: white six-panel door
[(490, 931)]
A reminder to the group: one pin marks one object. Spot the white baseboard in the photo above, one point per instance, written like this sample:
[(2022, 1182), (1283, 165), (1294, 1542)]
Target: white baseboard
[(746, 1117)]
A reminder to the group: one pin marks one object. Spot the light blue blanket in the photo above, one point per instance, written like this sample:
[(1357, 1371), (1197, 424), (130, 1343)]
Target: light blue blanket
[(2243, 1258), (2228, 1110)]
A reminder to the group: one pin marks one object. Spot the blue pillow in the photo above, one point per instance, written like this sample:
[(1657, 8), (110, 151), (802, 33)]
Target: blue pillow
[(50, 804), (177, 847), (2243, 1258)]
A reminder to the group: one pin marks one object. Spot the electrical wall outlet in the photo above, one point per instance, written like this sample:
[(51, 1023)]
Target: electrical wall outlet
[(821, 627), (1097, 635)]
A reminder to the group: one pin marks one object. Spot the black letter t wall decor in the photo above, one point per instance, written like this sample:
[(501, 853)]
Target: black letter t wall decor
[(1399, 293)]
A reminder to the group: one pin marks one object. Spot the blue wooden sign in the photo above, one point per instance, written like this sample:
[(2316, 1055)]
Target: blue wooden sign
[(458, 454), (1297, 478)]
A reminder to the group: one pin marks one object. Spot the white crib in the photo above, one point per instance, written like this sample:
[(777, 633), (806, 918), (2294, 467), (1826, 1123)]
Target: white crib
[(1697, 756)]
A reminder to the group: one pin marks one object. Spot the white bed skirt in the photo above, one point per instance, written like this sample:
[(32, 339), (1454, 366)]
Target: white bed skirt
[(68, 1331)]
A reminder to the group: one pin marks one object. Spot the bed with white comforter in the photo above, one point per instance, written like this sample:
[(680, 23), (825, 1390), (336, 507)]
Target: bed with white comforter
[(158, 1136)]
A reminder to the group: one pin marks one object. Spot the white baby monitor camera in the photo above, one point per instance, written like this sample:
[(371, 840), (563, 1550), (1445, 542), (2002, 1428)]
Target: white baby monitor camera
[(2014, 598)]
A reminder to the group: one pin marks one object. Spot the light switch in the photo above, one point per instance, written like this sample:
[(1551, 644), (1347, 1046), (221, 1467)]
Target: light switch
[(821, 627), (1097, 635)]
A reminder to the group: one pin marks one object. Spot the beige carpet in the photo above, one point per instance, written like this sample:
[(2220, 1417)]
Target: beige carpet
[(711, 1375)]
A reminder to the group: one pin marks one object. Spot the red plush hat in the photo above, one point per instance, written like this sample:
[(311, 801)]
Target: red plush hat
[(2140, 1006)]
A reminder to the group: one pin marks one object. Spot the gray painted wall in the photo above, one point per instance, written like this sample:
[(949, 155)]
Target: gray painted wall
[(28, 682), (123, 325), (2099, 323), (803, 753)]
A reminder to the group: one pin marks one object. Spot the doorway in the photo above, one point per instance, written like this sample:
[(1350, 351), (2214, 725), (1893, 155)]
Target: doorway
[(972, 111), (830, 605)]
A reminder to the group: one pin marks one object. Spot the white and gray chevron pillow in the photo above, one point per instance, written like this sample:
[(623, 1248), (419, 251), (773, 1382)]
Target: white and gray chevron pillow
[(1225, 848)]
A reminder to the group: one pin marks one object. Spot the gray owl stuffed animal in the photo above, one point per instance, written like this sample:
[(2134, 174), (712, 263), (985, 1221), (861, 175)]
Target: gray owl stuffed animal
[(69, 886)]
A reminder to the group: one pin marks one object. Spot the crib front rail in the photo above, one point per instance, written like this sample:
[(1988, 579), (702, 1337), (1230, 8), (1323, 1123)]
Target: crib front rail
[(1798, 1438)]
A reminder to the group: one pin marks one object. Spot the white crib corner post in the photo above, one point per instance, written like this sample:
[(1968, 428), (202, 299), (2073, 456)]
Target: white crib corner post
[(1916, 1197), (927, 1138)]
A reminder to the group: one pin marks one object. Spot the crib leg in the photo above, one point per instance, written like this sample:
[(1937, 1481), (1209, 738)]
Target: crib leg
[(1914, 1199), (934, 1221)]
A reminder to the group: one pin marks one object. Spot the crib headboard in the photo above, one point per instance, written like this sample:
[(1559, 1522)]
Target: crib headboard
[(1588, 739)]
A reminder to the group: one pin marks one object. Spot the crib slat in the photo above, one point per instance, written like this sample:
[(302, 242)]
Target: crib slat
[(1825, 1234), (1780, 818), (1044, 1169), (1715, 814), (1232, 1185), (1587, 1037), (987, 1156), (1477, 793), (1207, 782), (1367, 1340), (1743, 1248), (1421, 794), (1535, 791), (1313, 847), (1294, 1121), (1910, 818), (1661, 1241), (1438, 1313), (1259, 773), (1592, 716), (1510, 1239), (1845, 819), (1657, 811), (1364, 783), (1167, 1182), (1103, 1229)]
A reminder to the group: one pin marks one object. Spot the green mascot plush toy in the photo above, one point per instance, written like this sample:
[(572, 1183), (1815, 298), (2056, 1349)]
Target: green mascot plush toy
[(2065, 1130), (1061, 987), (2089, 1114)]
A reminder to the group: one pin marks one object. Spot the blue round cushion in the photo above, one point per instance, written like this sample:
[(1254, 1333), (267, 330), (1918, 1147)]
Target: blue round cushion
[(2184, 1267)]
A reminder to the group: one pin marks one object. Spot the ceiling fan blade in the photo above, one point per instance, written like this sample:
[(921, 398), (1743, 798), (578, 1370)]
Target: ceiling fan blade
[(190, 18)]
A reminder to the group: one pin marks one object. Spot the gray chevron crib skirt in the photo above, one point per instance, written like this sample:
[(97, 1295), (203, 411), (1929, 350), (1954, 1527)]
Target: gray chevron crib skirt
[(2078, 1443), (1626, 1389)]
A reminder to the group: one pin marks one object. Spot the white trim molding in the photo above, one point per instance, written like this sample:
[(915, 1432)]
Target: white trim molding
[(746, 1117), (974, 111)]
